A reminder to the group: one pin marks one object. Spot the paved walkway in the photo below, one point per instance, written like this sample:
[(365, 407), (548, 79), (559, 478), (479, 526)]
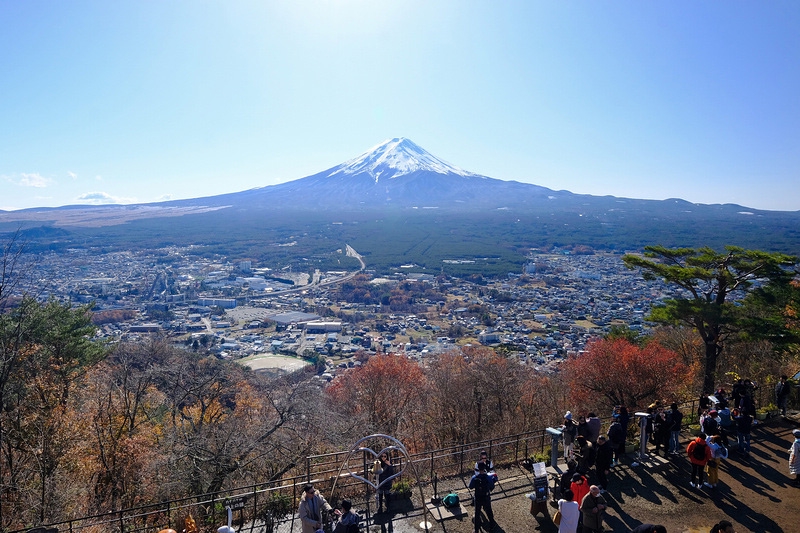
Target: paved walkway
[(754, 493)]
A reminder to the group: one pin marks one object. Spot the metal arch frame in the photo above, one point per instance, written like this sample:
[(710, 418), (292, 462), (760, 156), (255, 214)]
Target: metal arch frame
[(398, 446)]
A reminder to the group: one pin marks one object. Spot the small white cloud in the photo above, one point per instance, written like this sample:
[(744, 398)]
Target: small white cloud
[(164, 198), (102, 198), (33, 180), (72, 175), (98, 178)]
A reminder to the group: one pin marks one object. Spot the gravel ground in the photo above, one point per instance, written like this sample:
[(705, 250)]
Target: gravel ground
[(754, 493)]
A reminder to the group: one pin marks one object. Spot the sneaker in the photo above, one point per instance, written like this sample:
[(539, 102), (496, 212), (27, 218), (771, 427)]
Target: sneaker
[(709, 485), (693, 485)]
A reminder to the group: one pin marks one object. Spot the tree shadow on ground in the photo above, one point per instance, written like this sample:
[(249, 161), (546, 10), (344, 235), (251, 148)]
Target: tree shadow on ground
[(639, 483)]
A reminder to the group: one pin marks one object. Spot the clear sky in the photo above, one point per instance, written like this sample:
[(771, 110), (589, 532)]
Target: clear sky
[(139, 101)]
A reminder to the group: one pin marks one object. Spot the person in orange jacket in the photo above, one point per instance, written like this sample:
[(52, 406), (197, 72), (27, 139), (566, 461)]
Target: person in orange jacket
[(699, 455)]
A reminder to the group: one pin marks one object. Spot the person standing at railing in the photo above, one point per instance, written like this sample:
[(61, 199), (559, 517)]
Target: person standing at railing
[(569, 430), (384, 484), (595, 426), (662, 426), (616, 438), (675, 430), (782, 391), (483, 457)]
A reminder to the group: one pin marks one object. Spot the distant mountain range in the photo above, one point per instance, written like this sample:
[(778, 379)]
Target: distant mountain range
[(399, 179), (394, 174)]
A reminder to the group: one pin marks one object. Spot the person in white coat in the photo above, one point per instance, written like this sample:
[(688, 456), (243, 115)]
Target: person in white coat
[(570, 513), (794, 458)]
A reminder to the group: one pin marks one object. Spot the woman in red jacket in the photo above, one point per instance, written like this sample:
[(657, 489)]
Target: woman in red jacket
[(579, 487), (699, 455)]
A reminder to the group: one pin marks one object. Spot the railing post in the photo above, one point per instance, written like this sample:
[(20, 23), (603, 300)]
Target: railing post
[(255, 508), (308, 469)]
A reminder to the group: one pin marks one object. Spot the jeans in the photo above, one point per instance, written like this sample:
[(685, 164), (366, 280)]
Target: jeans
[(782, 404), (674, 439), (743, 441), (698, 473)]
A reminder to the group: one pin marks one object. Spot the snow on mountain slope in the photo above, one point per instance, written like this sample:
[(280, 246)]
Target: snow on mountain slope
[(393, 158)]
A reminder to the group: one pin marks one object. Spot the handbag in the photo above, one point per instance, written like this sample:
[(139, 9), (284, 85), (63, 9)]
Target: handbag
[(557, 518)]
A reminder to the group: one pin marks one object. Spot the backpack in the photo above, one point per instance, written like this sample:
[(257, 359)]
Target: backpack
[(346, 528), (481, 486), (699, 451), (451, 500), (710, 426)]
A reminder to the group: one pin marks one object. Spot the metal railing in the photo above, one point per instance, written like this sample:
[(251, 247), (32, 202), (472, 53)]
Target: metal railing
[(254, 503)]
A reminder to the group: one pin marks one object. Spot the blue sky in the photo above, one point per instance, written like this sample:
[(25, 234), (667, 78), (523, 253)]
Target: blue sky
[(143, 101)]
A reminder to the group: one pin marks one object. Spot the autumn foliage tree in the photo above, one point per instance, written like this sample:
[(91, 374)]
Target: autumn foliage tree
[(475, 392), (45, 352), (385, 393), (614, 371)]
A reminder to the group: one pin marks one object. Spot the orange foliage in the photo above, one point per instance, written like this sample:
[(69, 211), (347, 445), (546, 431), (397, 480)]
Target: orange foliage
[(618, 372), (385, 390), (109, 316)]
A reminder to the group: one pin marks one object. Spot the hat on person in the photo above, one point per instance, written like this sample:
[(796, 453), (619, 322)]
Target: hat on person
[(568, 416), (796, 433), (712, 413)]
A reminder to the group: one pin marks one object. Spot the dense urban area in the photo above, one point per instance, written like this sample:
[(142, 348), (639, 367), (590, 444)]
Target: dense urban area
[(277, 320)]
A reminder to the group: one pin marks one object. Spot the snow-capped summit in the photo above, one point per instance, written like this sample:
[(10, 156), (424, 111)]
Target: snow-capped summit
[(394, 174), (393, 158)]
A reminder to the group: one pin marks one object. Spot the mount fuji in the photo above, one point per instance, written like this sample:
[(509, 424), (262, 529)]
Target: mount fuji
[(397, 173), (399, 184)]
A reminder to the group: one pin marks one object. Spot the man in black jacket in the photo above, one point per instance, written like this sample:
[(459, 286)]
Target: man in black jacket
[(482, 484), (675, 431), (616, 437), (782, 391), (603, 461)]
